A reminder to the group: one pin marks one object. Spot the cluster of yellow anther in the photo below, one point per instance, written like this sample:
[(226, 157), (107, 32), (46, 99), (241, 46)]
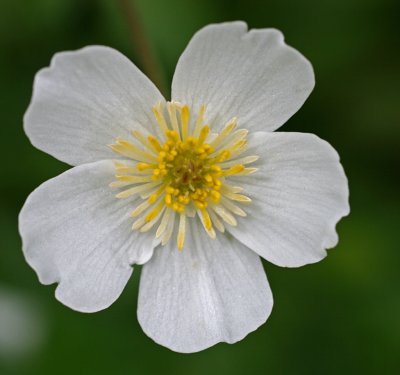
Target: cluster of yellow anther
[(184, 174), (191, 174)]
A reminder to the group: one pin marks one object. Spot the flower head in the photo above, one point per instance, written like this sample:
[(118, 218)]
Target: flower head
[(196, 188)]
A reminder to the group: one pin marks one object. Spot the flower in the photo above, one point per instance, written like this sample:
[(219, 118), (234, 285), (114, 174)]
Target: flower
[(203, 181)]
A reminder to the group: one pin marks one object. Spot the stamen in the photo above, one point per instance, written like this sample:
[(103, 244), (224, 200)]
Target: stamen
[(154, 143), (157, 110), (164, 221), (233, 170), (185, 122), (170, 229), (245, 160), (133, 179), (206, 221), (142, 139), (238, 197), (127, 170), (153, 197), (203, 134), (199, 121), (186, 174), (150, 224), (139, 209), (152, 191), (231, 124), (155, 211), (217, 223), (129, 150), (143, 166), (238, 136), (232, 207), (172, 115), (231, 189), (138, 223), (181, 231), (238, 149), (136, 190), (225, 215), (247, 171)]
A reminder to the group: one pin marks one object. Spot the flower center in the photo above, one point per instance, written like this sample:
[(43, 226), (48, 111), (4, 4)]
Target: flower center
[(185, 174), (192, 174)]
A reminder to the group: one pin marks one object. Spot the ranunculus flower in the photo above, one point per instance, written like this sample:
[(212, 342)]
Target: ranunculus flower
[(195, 189)]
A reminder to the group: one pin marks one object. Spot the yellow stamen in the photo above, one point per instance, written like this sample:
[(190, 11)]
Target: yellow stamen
[(206, 219), (233, 170), (154, 196), (203, 134), (169, 230), (164, 222), (136, 190), (181, 231), (144, 166), (185, 122), (172, 115), (154, 143), (129, 150), (231, 189), (139, 209), (231, 124), (246, 171), (155, 211), (217, 222), (138, 223), (225, 215), (133, 179), (186, 174), (238, 149), (232, 207), (245, 160), (157, 110), (199, 121), (142, 139)]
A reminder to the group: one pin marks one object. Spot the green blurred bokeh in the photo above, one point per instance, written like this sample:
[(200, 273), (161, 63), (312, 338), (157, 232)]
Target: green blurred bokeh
[(339, 316)]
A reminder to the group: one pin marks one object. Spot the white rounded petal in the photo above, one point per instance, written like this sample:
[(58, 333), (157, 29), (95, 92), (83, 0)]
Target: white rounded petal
[(86, 99), (212, 291), (75, 232), (298, 195), (253, 76)]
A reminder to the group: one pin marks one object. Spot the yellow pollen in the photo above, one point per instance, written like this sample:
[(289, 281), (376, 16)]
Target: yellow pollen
[(184, 174)]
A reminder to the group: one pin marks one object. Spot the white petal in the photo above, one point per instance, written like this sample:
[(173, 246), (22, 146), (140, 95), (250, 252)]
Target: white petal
[(298, 195), (86, 99), (212, 291), (252, 75), (75, 232)]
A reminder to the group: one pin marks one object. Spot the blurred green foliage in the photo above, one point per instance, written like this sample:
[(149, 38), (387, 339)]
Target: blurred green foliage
[(340, 316)]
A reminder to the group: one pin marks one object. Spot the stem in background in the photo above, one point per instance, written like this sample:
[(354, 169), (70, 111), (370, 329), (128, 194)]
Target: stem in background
[(142, 44)]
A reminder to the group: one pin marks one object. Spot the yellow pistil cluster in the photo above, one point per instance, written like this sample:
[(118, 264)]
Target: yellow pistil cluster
[(185, 174), (192, 175)]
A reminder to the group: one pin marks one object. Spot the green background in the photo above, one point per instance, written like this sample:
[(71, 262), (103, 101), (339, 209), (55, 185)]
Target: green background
[(339, 316)]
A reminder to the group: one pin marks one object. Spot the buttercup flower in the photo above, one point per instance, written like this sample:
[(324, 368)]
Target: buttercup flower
[(195, 189)]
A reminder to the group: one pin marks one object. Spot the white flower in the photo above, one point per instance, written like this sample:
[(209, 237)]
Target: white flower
[(216, 197)]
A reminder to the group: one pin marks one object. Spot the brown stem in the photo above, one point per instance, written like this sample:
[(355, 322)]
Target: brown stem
[(142, 44)]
